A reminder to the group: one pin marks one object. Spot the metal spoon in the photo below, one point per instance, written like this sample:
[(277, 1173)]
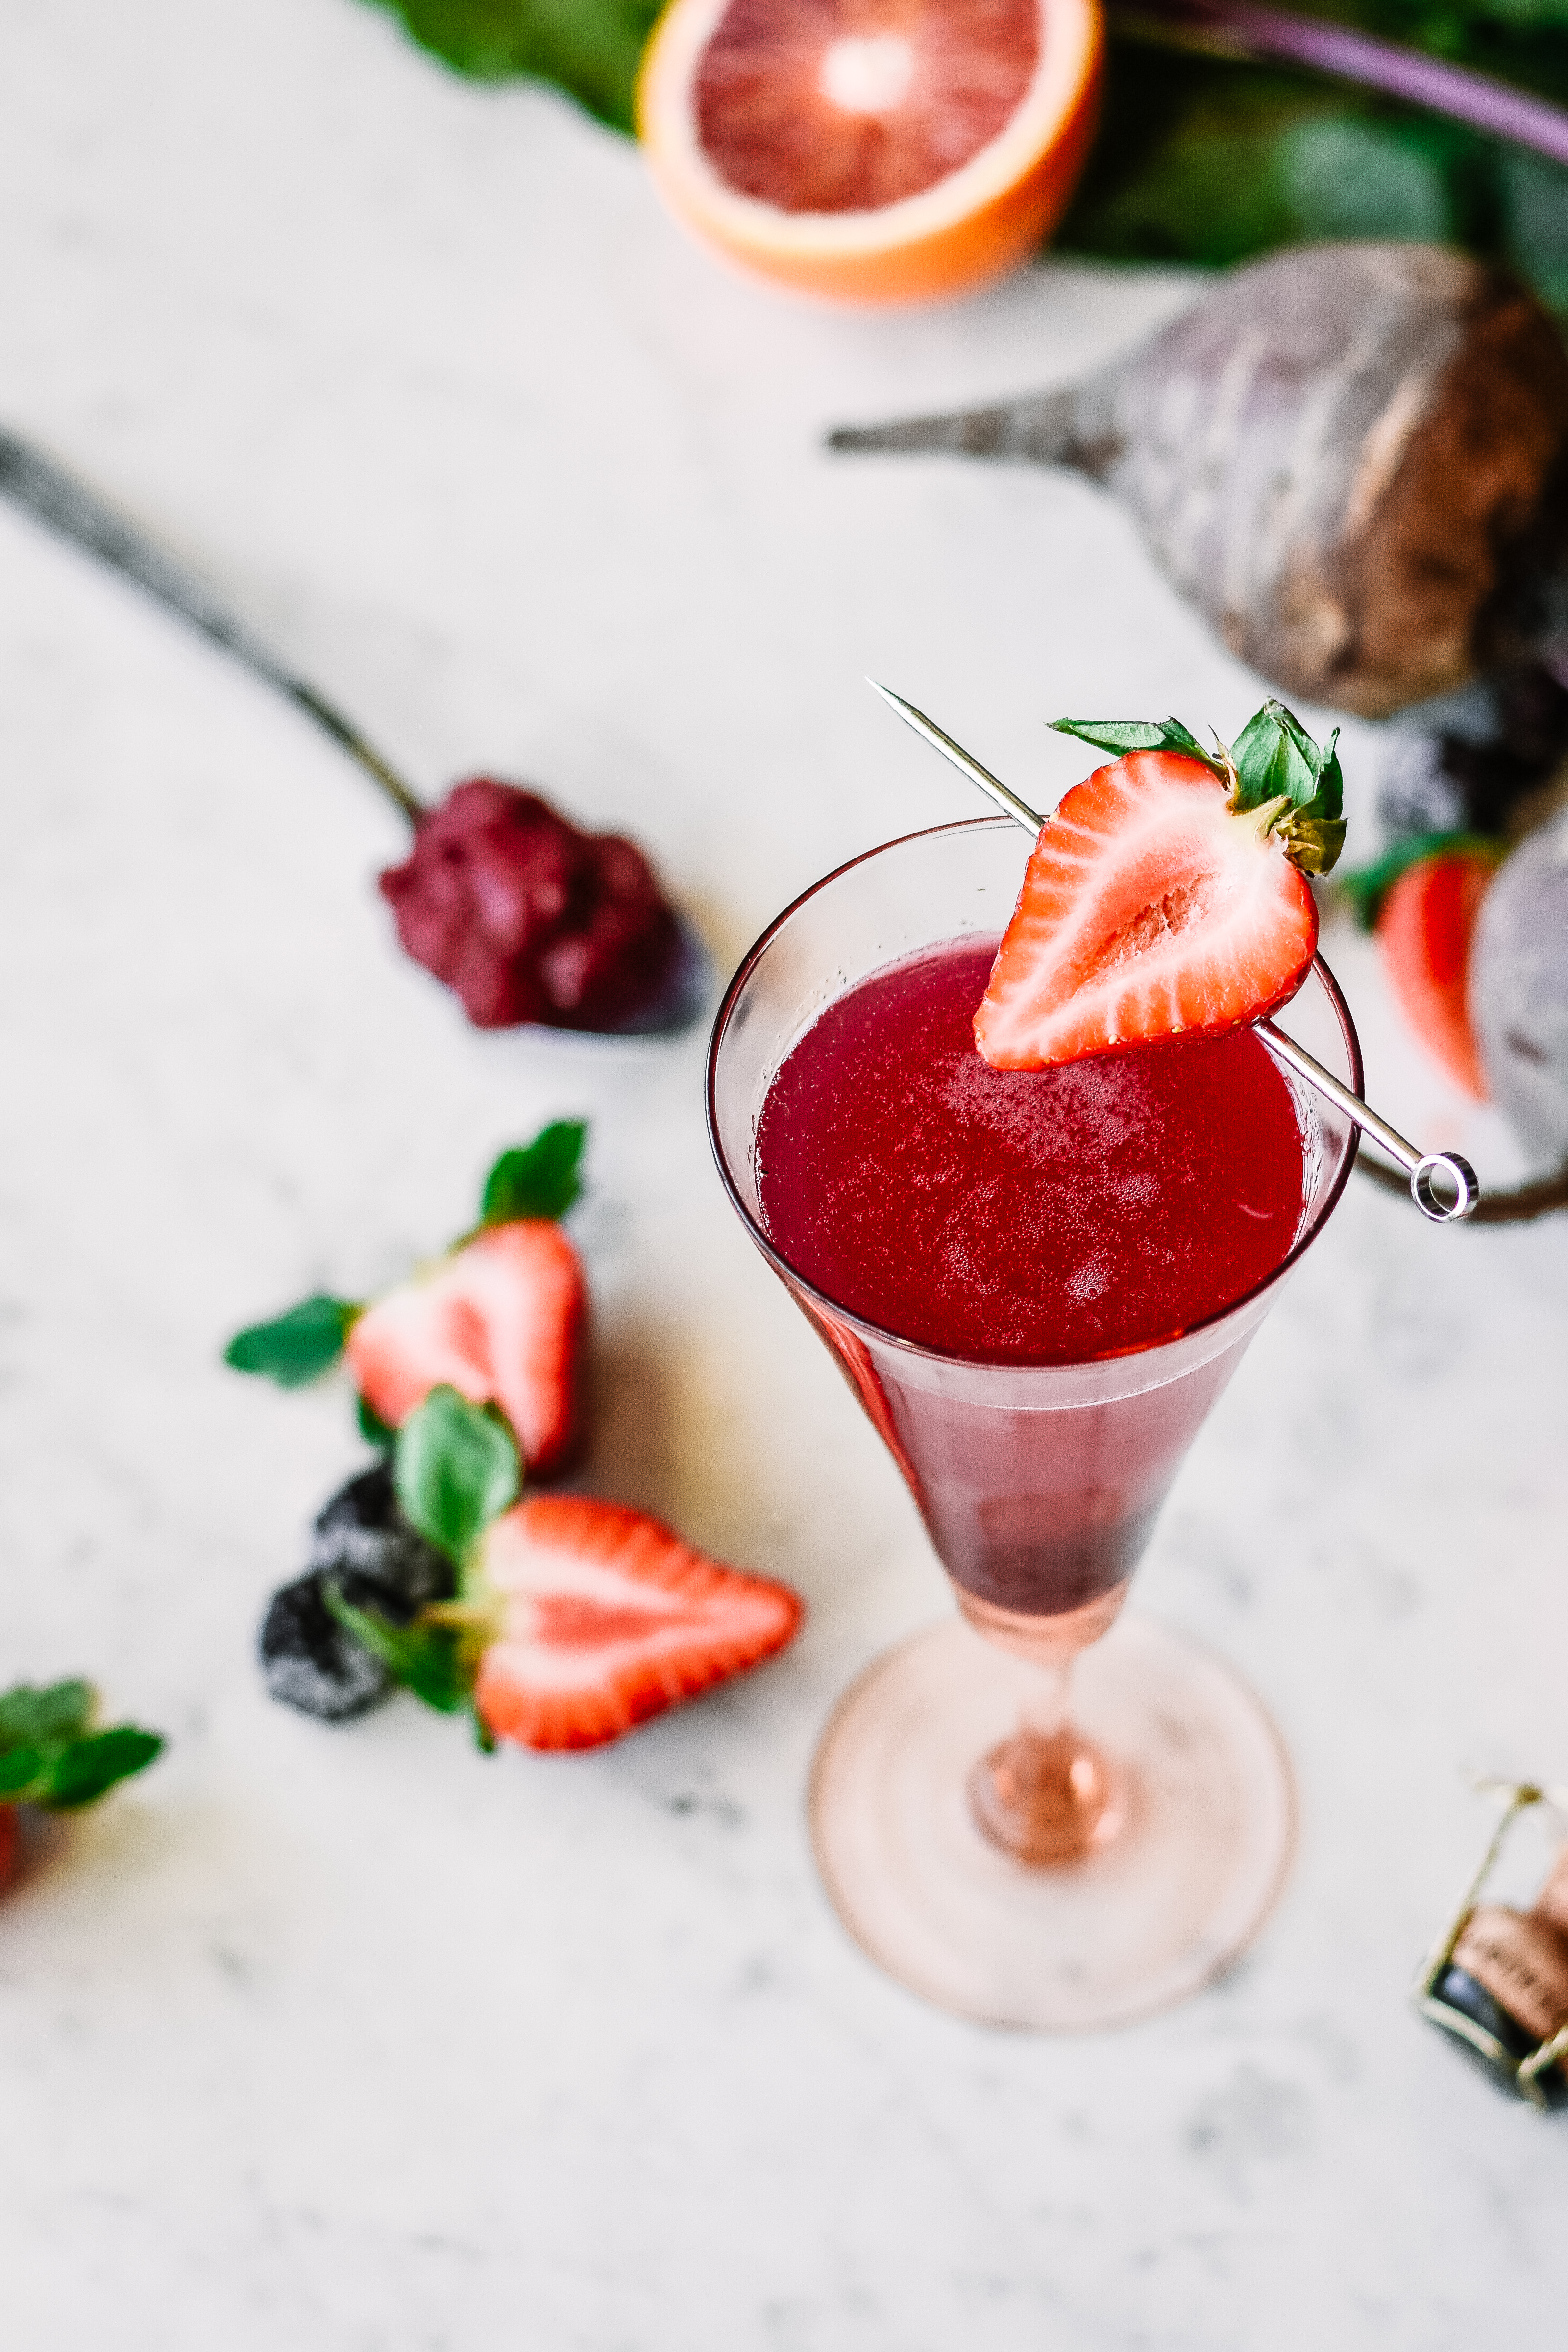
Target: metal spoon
[(1425, 1168), (35, 483)]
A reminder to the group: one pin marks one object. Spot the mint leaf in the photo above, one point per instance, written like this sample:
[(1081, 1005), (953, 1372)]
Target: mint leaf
[(430, 1660), (48, 1754), (541, 1179), (22, 1770), (1368, 886), (455, 1469), (297, 1346), (80, 1773), (44, 1718), (589, 49), (1138, 735)]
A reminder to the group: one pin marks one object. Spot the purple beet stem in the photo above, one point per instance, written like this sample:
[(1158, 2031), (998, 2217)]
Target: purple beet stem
[(1378, 65)]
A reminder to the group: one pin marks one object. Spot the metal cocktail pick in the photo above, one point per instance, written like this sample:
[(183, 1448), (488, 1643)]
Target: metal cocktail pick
[(1425, 1169)]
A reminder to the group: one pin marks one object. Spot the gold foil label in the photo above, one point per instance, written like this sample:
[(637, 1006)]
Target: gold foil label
[(1522, 1962)]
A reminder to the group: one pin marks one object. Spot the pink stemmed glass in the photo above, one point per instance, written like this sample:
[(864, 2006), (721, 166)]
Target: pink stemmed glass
[(1074, 1818)]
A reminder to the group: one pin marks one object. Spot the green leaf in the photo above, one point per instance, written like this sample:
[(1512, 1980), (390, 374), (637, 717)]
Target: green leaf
[(455, 1469), (541, 1179), (1368, 886), (1139, 735), (372, 1429), (44, 1718), (1210, 160), (22, 1771), (48, 1756), (590, 48), (432, 1661), (1275, 758), (297, 1346), (81, 1772)]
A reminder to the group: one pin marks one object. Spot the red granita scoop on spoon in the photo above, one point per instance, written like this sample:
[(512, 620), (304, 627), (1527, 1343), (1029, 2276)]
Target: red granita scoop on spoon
[(525, 916)]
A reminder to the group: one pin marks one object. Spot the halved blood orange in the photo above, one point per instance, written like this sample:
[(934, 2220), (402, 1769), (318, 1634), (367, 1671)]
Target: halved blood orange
[(878, 151)]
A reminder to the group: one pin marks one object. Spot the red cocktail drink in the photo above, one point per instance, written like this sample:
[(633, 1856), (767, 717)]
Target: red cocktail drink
[(1036, 1283), (1028, 1218)]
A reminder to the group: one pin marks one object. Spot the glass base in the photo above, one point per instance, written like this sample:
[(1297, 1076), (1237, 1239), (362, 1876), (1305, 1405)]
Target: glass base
[(1186, 1868)]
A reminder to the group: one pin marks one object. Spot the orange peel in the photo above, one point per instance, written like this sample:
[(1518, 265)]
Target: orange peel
[(872, 151)]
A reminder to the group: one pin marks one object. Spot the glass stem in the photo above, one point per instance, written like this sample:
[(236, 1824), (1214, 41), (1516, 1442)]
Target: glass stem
[(1047, 1710)]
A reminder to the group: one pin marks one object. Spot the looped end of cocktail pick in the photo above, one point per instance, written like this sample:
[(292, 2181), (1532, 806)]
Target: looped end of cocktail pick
[(1445, 1187)]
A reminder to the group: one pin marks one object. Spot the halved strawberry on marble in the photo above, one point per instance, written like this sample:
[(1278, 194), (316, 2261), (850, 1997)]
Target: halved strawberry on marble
[(501, 1317), (1168, 895), (607, 1618), (501, 1320)]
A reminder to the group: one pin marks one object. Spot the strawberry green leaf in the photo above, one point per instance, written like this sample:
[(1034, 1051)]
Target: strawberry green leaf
[(431, 1661), (297, 1346), (455, 1469), (1368, 886), (1275, 758), (81, 1772), (1139, 735), (44, 1718), (541, 1179)]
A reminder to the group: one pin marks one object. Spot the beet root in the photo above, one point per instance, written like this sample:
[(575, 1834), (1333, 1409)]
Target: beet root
[(530, 919), (1353, 459)]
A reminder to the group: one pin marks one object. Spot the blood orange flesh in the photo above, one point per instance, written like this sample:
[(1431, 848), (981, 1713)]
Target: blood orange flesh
[(878, 151), (833, 106)]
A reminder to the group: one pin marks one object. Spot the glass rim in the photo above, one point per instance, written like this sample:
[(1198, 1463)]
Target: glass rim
[(879, 1333)]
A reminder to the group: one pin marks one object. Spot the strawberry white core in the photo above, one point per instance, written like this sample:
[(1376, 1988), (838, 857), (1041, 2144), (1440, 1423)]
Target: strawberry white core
[(1147, 909)]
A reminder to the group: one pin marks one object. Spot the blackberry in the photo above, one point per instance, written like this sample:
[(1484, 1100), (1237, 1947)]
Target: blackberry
[(361, 1542), (363, 1530), (1455, 780)]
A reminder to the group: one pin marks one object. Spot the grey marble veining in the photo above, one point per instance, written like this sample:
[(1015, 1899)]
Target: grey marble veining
[(355, 2041)]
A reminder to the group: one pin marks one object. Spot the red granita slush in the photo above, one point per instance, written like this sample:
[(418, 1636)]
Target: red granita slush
[(1025, 1217)]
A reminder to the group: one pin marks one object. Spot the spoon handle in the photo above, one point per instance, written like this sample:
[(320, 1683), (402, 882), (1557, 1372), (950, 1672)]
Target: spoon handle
[(37, 484)]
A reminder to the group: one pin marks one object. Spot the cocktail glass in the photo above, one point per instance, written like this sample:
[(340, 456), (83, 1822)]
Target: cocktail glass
[(1004, 1854)]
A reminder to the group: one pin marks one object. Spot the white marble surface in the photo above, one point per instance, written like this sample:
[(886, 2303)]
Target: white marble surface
[(356, 2041)]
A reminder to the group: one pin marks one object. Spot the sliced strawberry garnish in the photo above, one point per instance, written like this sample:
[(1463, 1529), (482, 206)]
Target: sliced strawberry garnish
[(1425, 930), (1150, 907), (502, 1320), (608, 1618)]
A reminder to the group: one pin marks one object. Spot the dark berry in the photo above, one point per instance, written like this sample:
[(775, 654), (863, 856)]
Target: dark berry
[(363, 1529), (363, 1543), (311, 1662), (530, 919), (1446, 781), (1416, 794)]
